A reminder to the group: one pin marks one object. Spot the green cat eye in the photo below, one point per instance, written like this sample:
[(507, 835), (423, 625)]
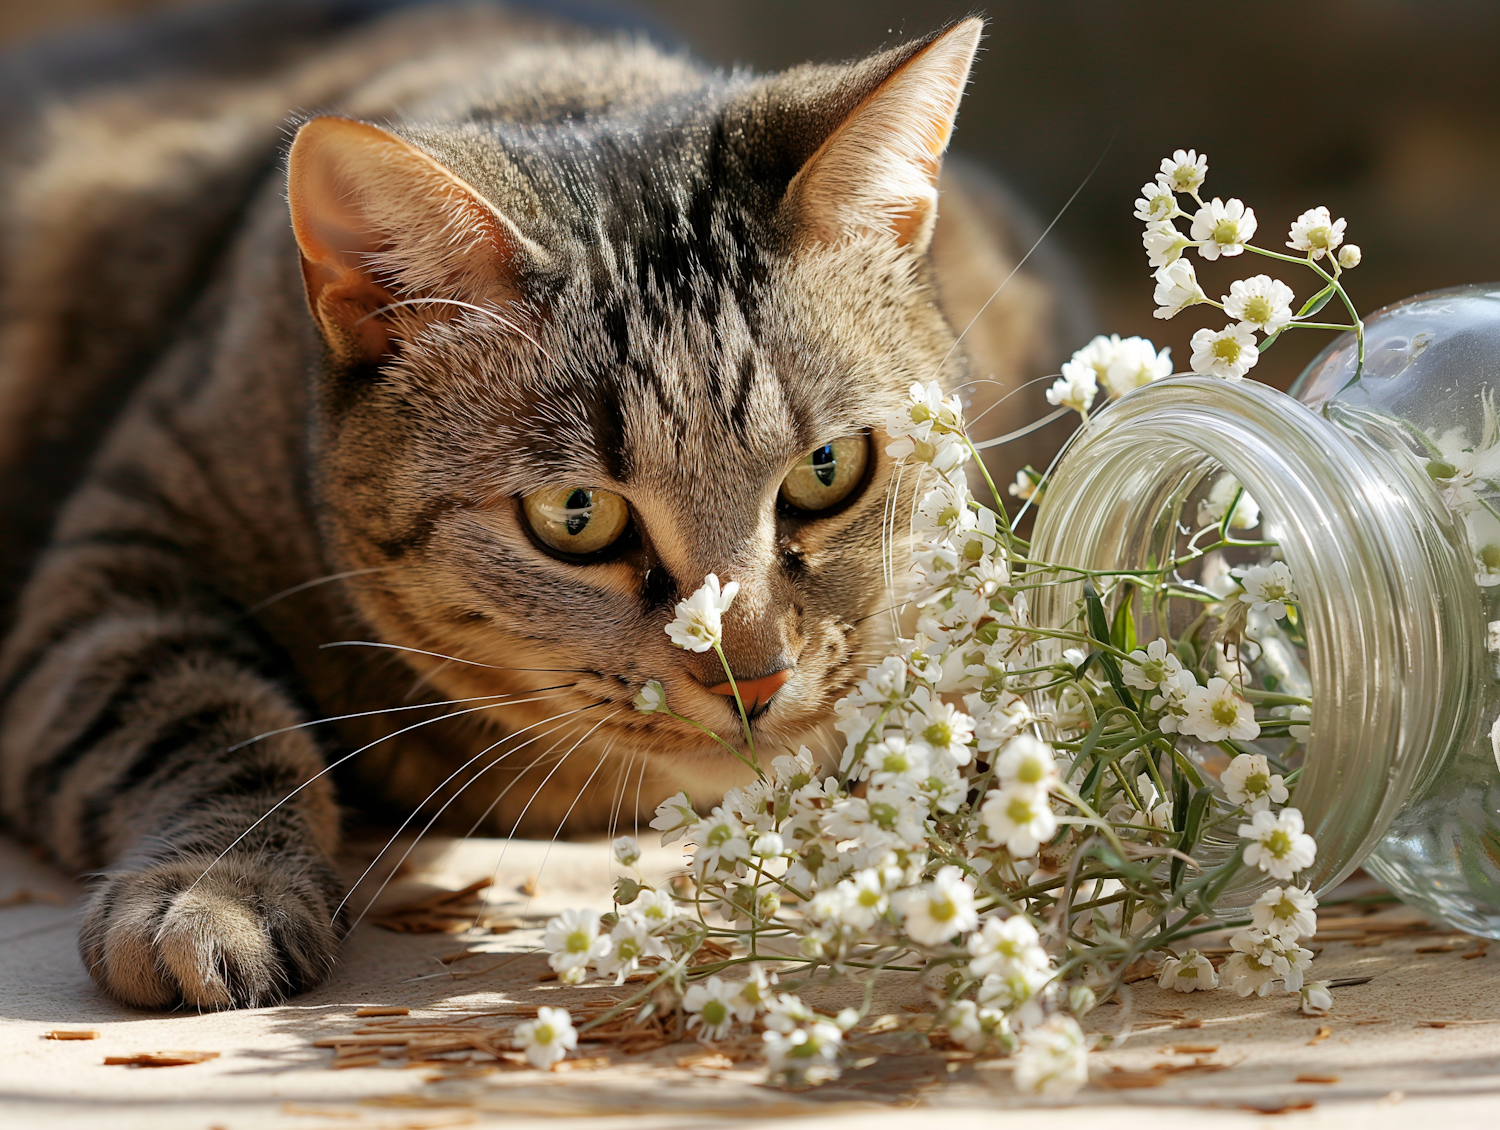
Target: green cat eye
[(827, 474), (576, 519)]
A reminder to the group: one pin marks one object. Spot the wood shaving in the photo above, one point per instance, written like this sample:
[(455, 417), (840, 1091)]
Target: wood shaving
[(383, 1010), (1194, 1049), (159, 1059), (1481, 947), (1323, 1033), (71, 1034), (529, 887), (1316, 1079), (444, 912), (1125, 1079), (1280, 1108)]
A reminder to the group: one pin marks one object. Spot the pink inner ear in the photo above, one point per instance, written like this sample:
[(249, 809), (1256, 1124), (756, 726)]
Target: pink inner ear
[(877, 172)]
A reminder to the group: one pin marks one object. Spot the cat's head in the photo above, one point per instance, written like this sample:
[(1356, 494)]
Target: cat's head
[(620, 324)]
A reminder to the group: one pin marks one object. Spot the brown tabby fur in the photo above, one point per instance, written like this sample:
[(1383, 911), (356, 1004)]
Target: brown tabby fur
[(230, 492)]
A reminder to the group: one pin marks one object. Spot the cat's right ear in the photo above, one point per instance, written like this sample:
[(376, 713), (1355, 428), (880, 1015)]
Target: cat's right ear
[(391, 238)]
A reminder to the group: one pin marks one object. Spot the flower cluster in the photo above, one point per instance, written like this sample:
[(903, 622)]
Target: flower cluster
[(1019, 811), (1259, 305)]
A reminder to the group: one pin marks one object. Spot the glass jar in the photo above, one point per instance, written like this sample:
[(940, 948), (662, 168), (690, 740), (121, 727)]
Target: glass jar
[(1383, 494)]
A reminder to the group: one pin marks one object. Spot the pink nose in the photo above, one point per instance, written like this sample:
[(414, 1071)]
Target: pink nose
[(755, 693)]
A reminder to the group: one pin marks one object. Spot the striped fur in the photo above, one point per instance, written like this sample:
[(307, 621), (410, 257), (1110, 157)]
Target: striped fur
[(676, 330)]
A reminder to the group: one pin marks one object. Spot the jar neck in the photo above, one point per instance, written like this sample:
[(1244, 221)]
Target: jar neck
[(1387, 598)]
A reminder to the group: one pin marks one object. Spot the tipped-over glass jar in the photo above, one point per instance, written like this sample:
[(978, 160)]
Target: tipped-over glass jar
[(1382, 495)]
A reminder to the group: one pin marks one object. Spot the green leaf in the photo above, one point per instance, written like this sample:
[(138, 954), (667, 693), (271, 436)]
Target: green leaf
[(1270, 341), (1191, 824), (1316, 302), (1099, 629), (1122, 631)]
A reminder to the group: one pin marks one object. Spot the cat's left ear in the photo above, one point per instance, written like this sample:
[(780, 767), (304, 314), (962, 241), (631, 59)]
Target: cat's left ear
[(877, 170), (392, 239)]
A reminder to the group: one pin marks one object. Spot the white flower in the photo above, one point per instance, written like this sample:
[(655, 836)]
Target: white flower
[(1256, 966), (1156, 205), (1027, 483), (936, 911), (752, 995), (925, 410), (651, 699), (1183, 171), (1260, 303), (995, 723), (1261, 960), (573, 942), (1249, 782), (894, 758), (1317, 233), (1212, 509), (1287, 913), (1299, 730), (1173, 700), (698, 624), (1164, 244), (768, 845), (1019, 817), (1054, 1058), (1026, 761), (805, 1055), (719, 837), (1176, 287), (1268, 588), (1192, 971), (548, 1038), (944, 512), (1149, 668), (1349, 256), (626, 851), (946, 730), (709, 1003), (1075, 389), (1223, 229), (786, 1012), (656, 907), (1136, 363), (1004, 945), (674, 816), (1278, 843), (630, 941), (1230, 353), (1215, 712), (1316, 999), (865, 898)]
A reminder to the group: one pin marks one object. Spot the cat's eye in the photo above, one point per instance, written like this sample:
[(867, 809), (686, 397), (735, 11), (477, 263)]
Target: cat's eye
[(827, 474), (577, 520)]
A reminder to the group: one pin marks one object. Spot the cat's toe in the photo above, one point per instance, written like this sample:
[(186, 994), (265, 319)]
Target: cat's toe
[(243, 934)]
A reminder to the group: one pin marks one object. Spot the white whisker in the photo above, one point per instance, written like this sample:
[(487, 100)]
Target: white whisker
[(454, 658), (270, 600)]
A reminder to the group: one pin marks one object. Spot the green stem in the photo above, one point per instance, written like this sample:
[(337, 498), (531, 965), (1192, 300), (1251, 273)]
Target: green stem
[(744, 715)]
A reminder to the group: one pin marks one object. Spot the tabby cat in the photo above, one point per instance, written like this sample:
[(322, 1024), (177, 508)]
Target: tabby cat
[(528, 331)]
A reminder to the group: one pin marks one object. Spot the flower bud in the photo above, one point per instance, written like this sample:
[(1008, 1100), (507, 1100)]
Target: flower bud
[(1349, 255), (627, 851)]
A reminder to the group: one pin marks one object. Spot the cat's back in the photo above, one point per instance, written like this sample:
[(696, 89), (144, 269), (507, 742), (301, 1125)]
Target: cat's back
[(128, 161)]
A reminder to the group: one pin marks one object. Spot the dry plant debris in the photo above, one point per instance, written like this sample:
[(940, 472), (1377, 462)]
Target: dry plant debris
[(71, 1034), (444, 912), (159, 1059)]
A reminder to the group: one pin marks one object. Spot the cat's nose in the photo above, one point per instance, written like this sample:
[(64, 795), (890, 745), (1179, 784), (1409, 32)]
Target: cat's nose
[(755, 693)]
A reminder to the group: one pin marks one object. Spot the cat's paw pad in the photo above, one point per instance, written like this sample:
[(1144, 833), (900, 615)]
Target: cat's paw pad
[(249, 932)]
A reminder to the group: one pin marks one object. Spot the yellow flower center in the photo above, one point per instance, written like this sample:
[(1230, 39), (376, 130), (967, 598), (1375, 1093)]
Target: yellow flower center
[(1224, 711), (1019, 811), (1257, 783), (715, 1013), (938, 734), (1226, 232), (1227, 349), (1278, 843), (1258, 310)]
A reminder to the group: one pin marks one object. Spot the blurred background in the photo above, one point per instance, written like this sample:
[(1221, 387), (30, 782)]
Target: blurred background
[(1387, 111)]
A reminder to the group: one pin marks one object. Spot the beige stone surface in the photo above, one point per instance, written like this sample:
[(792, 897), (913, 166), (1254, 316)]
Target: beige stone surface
[(1200, 1060)]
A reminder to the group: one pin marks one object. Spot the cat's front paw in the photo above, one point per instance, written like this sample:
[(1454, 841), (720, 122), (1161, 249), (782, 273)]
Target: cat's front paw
[(250, 932)]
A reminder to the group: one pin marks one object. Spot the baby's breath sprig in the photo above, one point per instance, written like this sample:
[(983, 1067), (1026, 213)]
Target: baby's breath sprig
[(1020, 811)]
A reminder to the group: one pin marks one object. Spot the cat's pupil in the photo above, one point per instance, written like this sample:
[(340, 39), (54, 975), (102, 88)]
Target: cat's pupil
[(825, 466), (580, 506)]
